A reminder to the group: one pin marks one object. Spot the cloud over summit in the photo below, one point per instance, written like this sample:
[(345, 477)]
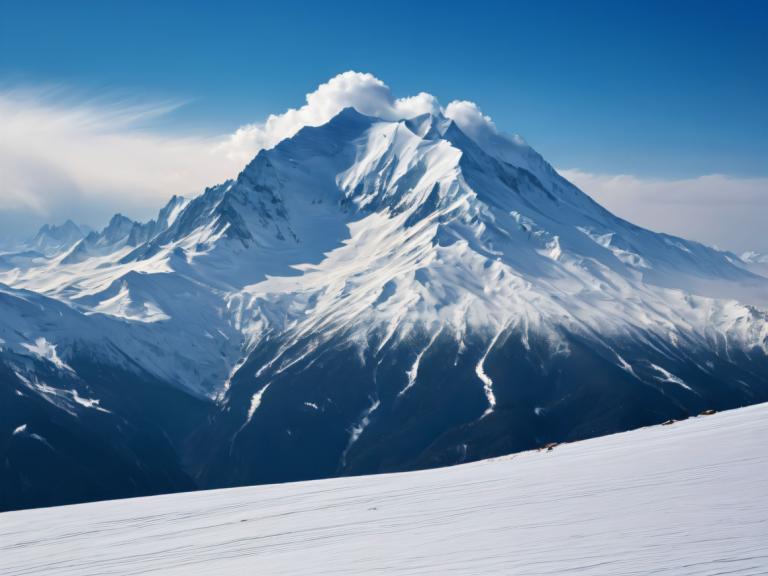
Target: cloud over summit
[(62, 158), (362, 91)]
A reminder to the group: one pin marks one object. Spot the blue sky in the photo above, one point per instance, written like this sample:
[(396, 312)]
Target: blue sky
[(657, 90), (661, 88)]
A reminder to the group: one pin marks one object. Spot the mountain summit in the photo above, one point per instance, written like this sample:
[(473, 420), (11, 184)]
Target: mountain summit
[(371, 294)]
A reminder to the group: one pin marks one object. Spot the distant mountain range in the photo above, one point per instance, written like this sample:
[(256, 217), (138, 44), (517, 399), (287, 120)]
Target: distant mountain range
[(369, 295)]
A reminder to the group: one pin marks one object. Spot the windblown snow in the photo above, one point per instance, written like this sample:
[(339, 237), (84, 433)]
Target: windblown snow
[(690, 498)]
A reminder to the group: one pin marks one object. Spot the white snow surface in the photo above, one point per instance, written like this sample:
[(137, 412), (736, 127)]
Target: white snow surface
[(756, 262), (46, 351), (373, 231), (690, 498)]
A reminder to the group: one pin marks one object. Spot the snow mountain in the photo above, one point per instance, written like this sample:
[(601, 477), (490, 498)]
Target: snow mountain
[(756, 262), (52, 239), (49, 240), (370, 295)]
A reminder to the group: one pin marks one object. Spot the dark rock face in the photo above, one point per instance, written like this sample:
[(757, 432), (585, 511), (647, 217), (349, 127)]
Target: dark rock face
[(334, 413), (303, 426), (57, 451)]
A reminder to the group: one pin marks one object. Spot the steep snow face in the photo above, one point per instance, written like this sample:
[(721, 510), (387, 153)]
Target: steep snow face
[(467, 306), (690, 498), (53, 239), (188, 352), (370, 232), (444, 235)]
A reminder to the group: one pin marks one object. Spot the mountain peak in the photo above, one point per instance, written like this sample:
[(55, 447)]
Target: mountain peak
[(430, 125), (377, 294), (52, 239)]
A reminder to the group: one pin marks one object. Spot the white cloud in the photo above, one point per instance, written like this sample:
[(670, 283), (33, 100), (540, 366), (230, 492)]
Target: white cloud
[(60, 158), (716, 209), (472, 121), (364, 92)]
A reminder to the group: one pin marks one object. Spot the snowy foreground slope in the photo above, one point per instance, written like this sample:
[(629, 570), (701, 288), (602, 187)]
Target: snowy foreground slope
[(689, 498)]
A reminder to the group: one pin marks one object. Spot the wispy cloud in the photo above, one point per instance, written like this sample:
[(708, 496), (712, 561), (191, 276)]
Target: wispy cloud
[(721, 210), (62, 158)]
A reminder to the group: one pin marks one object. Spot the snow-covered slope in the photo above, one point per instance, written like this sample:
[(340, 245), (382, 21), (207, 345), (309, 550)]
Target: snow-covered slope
[(375, 231), (52, 239), (378, 294), (49, 241), (690, 498), (756, 262)]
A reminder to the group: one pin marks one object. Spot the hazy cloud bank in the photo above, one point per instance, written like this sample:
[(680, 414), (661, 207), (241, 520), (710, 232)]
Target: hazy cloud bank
[(725, 211)]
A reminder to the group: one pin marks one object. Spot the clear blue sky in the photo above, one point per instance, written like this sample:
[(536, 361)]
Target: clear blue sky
[(665, 88)]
